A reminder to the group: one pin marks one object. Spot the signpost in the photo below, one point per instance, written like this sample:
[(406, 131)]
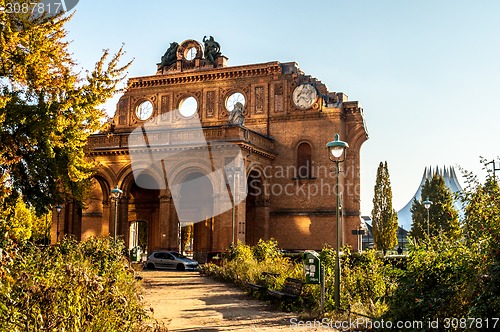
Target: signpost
[(315, 273)]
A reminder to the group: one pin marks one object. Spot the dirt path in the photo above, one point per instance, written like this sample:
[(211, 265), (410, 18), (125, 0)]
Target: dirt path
[(186, 301)]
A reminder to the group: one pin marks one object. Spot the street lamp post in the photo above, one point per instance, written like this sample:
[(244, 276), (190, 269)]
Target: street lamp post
[(336, 153), (116, 194), (427, 206), (58, 210)]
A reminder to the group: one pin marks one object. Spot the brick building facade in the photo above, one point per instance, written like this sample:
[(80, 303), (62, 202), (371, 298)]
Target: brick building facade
[(286, 187)]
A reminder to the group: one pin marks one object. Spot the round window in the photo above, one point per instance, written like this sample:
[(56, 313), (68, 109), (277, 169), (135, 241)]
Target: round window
[(190, 53), (144, 110), (236, 97), (188, 107)]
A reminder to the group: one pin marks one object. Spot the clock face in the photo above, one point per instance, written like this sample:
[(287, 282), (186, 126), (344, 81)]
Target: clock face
[(233, 99), (144, 110), (190, 53), (304, 96)]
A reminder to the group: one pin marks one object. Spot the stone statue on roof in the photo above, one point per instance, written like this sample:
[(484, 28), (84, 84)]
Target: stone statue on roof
[(212, 49), (170, 56)]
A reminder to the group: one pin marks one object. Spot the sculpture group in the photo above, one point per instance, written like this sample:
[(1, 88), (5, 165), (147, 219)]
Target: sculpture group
[(210, 54)]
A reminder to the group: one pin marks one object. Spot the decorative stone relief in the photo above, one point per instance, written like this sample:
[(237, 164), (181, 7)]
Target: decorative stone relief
[(166, 102), (259, 100), (210, 104), (279, 103)]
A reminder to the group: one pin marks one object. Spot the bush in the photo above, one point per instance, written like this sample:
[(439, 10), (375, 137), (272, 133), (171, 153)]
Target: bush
[(73, 286), (365, 281), (443, 279)]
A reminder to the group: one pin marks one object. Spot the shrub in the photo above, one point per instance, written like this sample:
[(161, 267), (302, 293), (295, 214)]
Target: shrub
[(365, 281), (73, 286), (437, 282), (266, 250)]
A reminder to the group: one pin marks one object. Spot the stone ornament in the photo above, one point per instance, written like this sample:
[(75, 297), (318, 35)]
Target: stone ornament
[(304, 96)]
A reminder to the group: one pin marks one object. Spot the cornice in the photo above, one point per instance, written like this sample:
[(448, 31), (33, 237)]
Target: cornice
[(206, 75)]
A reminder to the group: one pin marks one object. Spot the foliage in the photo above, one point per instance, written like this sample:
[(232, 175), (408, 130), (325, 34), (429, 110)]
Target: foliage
[(20, 224), (438, 281), (266, 250), (482, 232), (450, 276), (74, 286), (247, 264), (385, 218), (443, 217), (241, 266), (365, 281), (47, 111), (186, 236)]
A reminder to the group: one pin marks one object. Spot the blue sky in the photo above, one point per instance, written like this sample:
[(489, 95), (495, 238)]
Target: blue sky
[(427, 73)]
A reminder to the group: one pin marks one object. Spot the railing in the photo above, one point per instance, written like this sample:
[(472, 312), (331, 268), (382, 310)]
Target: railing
[(182, 136)]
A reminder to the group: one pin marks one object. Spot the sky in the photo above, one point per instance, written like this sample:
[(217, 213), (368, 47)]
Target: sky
[(426, 72)]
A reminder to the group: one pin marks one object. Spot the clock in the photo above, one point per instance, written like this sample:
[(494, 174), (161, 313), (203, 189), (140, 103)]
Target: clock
[(144, 110), (190, 53), (304, 96)]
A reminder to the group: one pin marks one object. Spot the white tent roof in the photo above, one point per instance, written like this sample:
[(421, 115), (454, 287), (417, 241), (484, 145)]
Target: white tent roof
[(450, 180)]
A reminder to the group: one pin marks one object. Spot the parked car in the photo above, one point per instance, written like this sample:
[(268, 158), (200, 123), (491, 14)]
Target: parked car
[(170, 260)]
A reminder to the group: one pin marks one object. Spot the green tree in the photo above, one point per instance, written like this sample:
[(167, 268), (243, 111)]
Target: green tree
[(186, 236), (482, 234), (20, 223), (443, 217), (384, 217), (456, 276), (47, 110)]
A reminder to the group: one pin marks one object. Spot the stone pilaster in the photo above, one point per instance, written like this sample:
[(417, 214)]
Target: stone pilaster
[(164, 218)]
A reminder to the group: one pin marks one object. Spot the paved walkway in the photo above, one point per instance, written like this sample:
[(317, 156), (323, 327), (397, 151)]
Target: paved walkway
[(186, 301)]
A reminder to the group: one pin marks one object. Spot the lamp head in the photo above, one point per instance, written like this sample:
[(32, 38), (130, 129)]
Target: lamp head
[(336, 148), (116, 193), (427, 204), (58, 208)]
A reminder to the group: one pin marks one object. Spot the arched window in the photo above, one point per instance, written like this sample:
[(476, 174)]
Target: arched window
[(304, 161)]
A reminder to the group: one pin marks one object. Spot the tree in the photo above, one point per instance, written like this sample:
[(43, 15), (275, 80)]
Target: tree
[(47, 111), (22, 224), (384, 217), (482, 234), (443, 217), (455, 276), (186, 236)]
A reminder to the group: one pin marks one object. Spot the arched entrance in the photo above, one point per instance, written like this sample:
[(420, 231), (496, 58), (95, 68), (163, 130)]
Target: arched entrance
[(196, 203), (256, 211), (95, 214), (139, 234), (142, 213)]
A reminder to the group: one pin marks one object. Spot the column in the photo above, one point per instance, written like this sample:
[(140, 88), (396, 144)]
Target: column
[(123, 227), (105, 218), (162, 230)]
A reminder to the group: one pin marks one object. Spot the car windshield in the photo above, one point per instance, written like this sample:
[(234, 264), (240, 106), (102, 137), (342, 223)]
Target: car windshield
[(176, 254)]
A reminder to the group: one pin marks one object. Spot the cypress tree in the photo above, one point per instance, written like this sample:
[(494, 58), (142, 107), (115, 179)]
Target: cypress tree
[(384, 217)]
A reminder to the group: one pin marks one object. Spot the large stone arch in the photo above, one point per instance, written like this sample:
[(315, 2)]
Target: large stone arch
[(256, 206), (106, 176), (140, 201), (95, 212), (180, 174)]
